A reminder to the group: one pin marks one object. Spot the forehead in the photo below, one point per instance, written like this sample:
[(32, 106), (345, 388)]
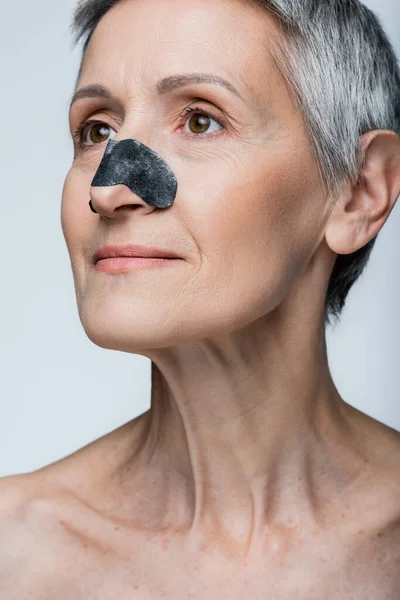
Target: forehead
[(140, 41)]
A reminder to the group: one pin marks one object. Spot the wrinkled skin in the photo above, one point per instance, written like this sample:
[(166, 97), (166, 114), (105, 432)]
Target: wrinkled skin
[(249, 477)]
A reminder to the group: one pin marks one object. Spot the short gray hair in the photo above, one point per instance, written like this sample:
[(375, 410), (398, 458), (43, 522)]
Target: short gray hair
[(343, 75)]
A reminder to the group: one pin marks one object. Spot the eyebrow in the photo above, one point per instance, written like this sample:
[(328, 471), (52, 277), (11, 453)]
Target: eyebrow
[(164, 86)]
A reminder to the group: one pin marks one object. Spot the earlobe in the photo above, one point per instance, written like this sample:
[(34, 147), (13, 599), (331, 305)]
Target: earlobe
[(362, 210)]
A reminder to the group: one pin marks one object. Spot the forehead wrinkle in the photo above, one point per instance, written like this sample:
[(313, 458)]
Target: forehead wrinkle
[(172, 82)]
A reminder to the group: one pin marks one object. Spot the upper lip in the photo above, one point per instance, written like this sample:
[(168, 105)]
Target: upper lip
[(132, 250)]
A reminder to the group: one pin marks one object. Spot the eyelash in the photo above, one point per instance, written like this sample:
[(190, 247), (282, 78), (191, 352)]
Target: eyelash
[(83, 127)]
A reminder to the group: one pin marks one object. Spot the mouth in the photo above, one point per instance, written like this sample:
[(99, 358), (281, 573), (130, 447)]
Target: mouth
[(130, 251), (123, 264)]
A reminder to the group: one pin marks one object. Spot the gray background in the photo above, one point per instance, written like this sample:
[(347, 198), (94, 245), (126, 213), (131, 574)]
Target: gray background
[(58, 391)]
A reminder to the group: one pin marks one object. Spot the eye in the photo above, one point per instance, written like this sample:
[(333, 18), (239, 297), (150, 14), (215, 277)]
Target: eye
[(199, 121), (97, 133), (91, 133)]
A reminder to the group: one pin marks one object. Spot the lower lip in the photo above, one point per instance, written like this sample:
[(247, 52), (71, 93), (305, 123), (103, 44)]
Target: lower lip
[(123, 263)]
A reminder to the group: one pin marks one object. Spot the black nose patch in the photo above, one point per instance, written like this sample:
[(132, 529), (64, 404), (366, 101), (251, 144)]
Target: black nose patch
[(131, 163)]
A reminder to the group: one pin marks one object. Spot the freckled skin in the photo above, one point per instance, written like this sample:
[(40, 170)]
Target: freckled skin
[(250, 477)]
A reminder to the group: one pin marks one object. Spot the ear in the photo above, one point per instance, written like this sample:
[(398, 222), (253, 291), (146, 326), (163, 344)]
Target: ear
[(360, 213)]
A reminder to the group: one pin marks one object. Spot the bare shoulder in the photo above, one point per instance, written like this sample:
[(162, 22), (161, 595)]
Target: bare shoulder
[(12, 492), (378, 443), (16, 492), (16, 539), (36, 545), (53, 542), (378, 497)]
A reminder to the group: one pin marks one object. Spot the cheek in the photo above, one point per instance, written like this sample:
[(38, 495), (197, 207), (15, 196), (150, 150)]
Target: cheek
[(251, 210), (76, 219), (256, 226)]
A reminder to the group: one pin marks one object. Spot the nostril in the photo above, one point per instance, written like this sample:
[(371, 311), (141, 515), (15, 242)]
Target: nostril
[(91, 207)]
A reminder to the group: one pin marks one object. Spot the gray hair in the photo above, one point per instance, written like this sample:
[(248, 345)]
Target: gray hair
[(342, 73)]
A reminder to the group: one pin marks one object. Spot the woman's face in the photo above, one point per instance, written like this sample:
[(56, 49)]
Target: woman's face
[(248, 213)]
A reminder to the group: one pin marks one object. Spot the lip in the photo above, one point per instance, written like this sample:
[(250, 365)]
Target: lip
[(131, 250), (123, 264)]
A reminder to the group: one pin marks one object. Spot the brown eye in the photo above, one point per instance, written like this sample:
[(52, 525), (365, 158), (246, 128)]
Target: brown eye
[(199, 122), (97, 133)]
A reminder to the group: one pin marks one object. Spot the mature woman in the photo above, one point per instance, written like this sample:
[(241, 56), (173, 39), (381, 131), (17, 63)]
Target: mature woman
[(269, 131)]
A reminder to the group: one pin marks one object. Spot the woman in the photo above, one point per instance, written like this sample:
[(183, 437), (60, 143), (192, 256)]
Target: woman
[(250, 476)]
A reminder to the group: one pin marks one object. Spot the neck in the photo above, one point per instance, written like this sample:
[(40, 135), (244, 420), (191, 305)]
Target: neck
[(245, 434)]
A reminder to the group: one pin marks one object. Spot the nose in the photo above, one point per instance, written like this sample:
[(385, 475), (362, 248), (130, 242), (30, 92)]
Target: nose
[(144, 175), (110, 200)]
